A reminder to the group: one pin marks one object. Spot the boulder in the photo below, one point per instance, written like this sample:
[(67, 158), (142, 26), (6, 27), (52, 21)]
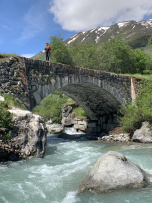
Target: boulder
[(114, 171), (28, 136), (55, 128), (67, 119), (80, 125), (144, 134)]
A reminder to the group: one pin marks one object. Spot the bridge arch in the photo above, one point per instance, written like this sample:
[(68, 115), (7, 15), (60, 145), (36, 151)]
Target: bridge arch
[(98, 93)]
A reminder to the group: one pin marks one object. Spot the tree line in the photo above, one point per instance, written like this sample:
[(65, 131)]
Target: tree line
[(113, 56)]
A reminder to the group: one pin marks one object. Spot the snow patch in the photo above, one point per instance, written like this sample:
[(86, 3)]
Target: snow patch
[(73, 38), (92, 30), (104, 28), (122, 24), (96, 40), (83, 39), (146, 23)]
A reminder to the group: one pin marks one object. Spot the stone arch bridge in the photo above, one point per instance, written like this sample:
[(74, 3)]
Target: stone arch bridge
[(98, 93)]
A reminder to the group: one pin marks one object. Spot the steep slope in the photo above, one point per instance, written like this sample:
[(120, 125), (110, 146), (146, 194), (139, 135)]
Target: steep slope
[(128, 31), (39, 56)]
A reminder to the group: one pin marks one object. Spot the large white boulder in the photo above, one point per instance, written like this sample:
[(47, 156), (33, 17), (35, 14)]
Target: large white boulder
[(114, 171), (144, 134), (28, 134)]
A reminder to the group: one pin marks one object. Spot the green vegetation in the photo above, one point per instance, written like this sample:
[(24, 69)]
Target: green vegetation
[(50, 107), (5, 116), (141, 41), (139, 111), (79, 113), (59, 51), (4, 56), (10, 101), (113, 56)]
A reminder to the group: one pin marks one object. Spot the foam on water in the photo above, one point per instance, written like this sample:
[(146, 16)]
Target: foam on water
[(56, 177)]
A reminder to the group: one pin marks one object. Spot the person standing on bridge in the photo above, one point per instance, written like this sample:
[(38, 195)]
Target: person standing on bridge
[(47, 51)]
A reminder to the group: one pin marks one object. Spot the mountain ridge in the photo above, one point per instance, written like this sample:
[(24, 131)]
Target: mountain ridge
[(127, 30)]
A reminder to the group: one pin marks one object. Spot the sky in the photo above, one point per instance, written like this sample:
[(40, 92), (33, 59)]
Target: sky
[(26, 25)]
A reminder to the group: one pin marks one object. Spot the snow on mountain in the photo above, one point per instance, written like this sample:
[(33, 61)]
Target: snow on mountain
[(146, 23), (127, 30), (122, 24)]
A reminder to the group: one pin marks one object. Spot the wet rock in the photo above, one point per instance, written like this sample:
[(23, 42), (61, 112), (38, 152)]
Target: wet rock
[(144, 134), (55, 128), (123, 137), (114, 171)]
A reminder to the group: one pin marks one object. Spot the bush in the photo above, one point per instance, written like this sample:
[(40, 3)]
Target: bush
[(5, 116), (50, 107), (139, 111)]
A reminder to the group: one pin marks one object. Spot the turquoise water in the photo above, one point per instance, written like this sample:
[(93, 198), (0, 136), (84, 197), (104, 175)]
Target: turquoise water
[(56, 177)]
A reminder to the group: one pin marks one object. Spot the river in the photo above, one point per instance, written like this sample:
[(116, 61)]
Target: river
[(56, 177)]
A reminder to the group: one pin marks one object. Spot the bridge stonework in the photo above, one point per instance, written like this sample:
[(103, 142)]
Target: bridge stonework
[(98, 93)]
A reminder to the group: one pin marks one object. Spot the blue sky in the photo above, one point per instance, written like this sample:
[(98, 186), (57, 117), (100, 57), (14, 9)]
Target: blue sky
[(26, 25)]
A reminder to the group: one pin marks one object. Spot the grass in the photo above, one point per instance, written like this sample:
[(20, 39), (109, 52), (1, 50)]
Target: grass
[(50, 107), (4, 56), (144, 76), (80, 113), (10, 101), (39, 56)]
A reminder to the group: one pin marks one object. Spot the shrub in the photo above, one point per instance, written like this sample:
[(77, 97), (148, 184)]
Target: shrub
[(139, 111), (5, 116), (50, 107)]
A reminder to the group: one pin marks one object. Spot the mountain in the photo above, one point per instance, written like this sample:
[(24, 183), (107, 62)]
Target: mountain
[(136, 34), (127, 30)]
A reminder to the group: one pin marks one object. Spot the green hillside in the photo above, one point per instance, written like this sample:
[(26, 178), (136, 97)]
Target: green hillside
[(39, 56)]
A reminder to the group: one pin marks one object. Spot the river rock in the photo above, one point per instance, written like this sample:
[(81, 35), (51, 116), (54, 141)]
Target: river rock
[(144, 134), (80, 124), (67, 119), (123, 137), (114, 171), (29, 134), (55, 128)]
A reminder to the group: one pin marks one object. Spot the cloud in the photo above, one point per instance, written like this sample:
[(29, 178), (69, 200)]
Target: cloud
[(80, 15), (28, 55), (6, 27)]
